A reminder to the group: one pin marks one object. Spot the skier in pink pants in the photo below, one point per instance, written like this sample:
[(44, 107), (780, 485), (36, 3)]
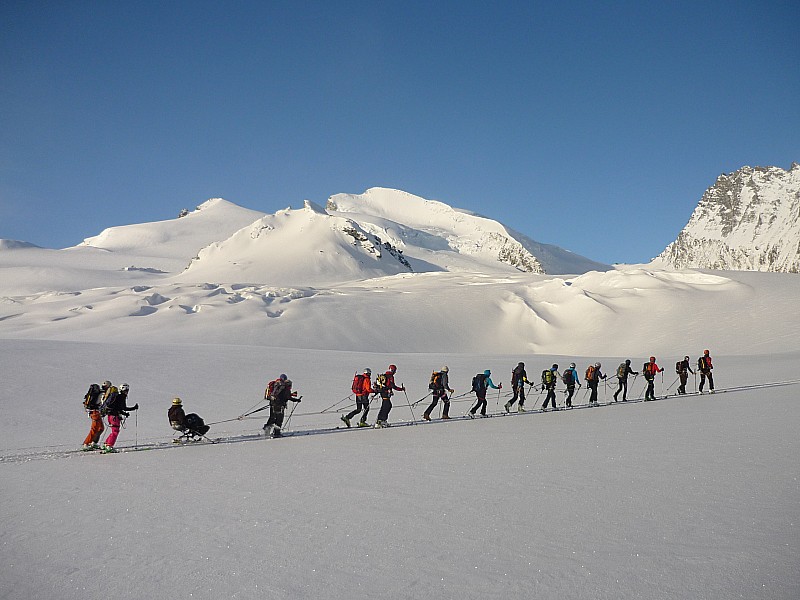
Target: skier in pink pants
[(114, 405)]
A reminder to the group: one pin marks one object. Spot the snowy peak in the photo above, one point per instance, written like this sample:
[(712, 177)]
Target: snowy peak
[(748, 220), (298, 247), (181, 237), (450, 238)]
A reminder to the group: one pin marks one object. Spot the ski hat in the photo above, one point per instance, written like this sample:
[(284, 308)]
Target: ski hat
[(445, 369), (554, 367), (176, 402), (685, 358), (706, 352), (522, 364), (627, 361), (487, 372), (652, 359), (571, 365), (367, 372), (393, 368), (283, 377)]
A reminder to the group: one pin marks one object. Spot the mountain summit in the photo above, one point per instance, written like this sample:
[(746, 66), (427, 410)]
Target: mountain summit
[(748, 220)]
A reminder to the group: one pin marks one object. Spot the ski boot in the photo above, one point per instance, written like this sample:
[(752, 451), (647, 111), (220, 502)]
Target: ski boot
[(109, 450), (508, 407), (363, 424), (426, 416), (445, 416), (521, 409), (346, 421)]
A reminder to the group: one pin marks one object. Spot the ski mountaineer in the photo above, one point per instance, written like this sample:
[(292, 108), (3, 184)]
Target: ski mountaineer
[(176, 415), (480, 385), (683, 368), (278, 392), (362, 388), (518, 380), (704, 366), (439, 385), (649, 370), (114, 405), (593, 377), (91, 401), (623, 370), (570, 378), (549, 378), (385, 386)]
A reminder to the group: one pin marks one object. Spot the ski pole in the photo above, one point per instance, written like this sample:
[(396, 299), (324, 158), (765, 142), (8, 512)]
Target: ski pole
[(136, 431), (673, 383), (291, 413), (413, 418), (338, 403)]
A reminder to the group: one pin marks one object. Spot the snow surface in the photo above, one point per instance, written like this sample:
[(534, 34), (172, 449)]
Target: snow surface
[(693, 497)]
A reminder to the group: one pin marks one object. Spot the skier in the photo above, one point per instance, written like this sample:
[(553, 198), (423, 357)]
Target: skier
[(115, 407), (623, 370), (704, 366), (278, 392), (683, 368), (649, 371), (593, 377), (570, 378), (191, 424), (385, 386), (362, 388), (440, 385), (549, 378), (480, 384), (91, 401), (518, 380)]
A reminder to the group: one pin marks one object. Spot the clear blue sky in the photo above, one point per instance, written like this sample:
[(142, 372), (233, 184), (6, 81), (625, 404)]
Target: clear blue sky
[(593, 125)]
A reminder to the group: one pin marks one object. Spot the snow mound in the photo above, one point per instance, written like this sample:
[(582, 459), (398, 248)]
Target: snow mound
[(15, 245)]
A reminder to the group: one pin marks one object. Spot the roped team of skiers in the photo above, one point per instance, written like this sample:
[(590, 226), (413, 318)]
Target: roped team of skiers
[(111, 402)]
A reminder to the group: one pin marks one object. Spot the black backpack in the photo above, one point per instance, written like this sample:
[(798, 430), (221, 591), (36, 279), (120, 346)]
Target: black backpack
[(91, 401), (568, 377), (479, 383)]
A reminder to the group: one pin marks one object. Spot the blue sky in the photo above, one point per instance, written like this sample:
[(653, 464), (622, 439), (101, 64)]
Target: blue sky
[(594, 126)]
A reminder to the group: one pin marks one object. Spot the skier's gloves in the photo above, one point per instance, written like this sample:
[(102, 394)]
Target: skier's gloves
[(135, 406)]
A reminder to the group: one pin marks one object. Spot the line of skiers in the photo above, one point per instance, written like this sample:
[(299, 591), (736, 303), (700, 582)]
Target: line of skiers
[(110, 402)]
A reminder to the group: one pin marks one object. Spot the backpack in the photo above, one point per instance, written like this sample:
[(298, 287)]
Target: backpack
[(358, 382), (479, 383), (701, 364), (568, 377), (622, 370), (91, 401), (647, 370), (381, 382), (547, 377), (590, 373), (275, 387), (679, 367), (436, 381)]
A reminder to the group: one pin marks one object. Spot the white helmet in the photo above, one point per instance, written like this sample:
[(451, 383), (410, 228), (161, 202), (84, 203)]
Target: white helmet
[(445, 369)]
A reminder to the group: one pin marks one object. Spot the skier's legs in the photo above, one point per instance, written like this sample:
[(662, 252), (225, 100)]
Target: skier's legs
[(96, 430), (386, 406), (113, 424), (710, 380), (570, 392)]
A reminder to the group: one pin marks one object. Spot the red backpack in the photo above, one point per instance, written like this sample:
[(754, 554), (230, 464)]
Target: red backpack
[(358, 383)]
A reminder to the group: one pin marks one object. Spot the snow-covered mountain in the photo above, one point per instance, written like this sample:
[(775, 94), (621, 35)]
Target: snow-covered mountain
[(748, 220), (450, 238)]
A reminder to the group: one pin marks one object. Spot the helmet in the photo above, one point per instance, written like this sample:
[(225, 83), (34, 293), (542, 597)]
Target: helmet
[(555, 367), (283, 377), (571, 365), (685, 358), (627, 361), (124, 387), (367, 372), (487, 372), (106, 384), (652, 359), (597, 364), (393, 368), (706, 352), (522, 364), (445, 369), (176, 402)]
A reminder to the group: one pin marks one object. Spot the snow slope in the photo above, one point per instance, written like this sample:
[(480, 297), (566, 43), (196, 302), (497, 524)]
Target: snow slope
[(696, 497)]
